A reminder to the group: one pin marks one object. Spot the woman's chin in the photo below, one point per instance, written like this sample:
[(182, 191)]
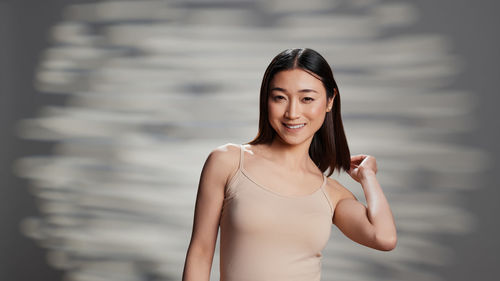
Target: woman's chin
[(292, 140)]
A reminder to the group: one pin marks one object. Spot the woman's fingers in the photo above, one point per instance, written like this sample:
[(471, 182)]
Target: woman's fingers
[(364, 160), (358, 156), (357, 159)]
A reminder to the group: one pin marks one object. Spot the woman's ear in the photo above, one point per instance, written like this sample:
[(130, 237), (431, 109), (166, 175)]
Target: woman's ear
[(330, 100)]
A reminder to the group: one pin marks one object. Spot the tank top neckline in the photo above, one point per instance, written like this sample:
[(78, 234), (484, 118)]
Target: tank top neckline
[(249, 176)]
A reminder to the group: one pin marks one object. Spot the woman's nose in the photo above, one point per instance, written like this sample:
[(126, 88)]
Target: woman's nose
[(292, 110)]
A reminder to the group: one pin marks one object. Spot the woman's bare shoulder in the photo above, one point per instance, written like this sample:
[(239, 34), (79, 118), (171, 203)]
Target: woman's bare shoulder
[(225, 154), (226, 151), (224, 159)]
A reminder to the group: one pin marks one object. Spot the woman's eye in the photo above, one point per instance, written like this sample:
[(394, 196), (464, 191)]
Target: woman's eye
[(277, 97), (308, 99)]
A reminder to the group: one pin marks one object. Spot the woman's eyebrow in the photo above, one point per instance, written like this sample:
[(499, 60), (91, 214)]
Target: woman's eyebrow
[(279, 89), (308, 91), (300, 91)]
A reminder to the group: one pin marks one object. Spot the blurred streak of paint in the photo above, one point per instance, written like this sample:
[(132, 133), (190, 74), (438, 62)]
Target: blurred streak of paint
[(153, 86)]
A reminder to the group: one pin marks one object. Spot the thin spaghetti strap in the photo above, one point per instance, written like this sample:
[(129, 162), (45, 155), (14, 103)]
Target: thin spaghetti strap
[(238, 172), (242, 153), (326, 195)]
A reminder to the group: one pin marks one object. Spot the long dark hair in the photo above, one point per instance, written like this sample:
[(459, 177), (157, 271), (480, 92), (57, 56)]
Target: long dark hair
[(328, 149)]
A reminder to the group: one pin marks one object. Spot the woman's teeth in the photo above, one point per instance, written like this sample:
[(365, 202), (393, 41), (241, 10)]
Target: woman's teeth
[(295, 127)]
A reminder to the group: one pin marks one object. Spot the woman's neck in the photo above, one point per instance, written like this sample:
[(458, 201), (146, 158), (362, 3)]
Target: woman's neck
[(293, 157)]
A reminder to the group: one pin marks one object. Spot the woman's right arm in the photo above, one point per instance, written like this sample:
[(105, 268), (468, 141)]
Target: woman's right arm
[(213, 179)]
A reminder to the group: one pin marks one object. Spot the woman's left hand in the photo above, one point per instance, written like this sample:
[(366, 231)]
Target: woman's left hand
[(362, 165)]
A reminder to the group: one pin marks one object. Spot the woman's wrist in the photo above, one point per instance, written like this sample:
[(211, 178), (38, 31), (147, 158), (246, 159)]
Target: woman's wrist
[(367, 174)]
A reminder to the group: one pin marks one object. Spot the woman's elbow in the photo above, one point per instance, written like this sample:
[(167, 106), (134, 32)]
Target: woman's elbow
[(387, 243)]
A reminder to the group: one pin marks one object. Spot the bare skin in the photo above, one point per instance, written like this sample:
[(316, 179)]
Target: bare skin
[(297, 97)]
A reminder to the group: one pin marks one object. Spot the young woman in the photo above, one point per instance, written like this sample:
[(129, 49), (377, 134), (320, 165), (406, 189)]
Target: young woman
[(270, 197)]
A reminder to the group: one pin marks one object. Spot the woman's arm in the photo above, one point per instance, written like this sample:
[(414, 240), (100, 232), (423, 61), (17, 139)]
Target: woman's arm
[(373, 225), (199, 257)]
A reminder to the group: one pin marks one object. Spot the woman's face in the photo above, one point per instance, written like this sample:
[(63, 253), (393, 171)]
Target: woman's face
[(297, 105)]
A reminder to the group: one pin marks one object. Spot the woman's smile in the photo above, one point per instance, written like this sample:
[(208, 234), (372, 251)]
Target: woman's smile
[(294, 127)]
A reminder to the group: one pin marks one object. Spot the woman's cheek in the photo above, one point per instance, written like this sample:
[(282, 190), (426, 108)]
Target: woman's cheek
[(316, 110)]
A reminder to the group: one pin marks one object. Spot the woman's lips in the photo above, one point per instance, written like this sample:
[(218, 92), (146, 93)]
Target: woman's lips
[(296, 127)]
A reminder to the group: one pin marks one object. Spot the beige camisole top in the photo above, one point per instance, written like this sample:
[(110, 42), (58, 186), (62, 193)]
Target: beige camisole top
[(266, 236)]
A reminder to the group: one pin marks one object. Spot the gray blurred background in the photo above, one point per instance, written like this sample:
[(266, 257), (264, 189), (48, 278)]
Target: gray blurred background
[(109, 108)]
